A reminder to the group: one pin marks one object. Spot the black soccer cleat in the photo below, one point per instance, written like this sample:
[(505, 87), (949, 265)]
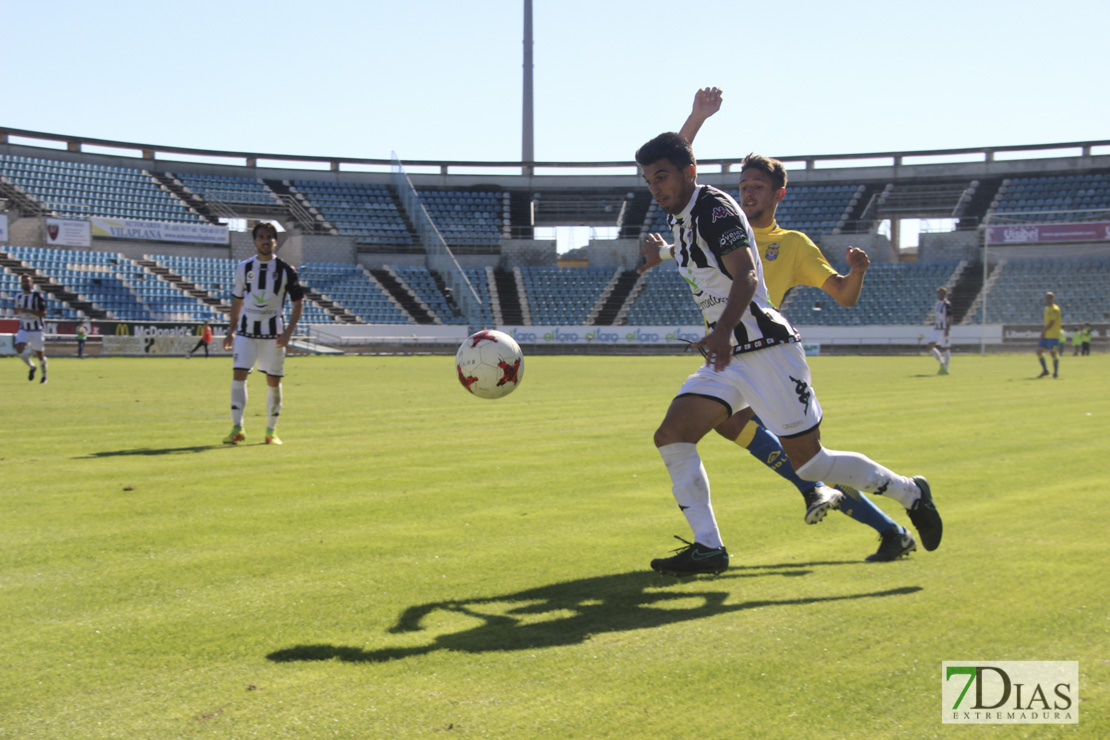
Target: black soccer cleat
[(694, 559), (31, 375), (894, 543), (924, 516), (819, 500)]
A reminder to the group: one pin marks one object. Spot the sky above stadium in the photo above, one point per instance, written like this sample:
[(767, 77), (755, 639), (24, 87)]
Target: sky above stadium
[(442, 80)]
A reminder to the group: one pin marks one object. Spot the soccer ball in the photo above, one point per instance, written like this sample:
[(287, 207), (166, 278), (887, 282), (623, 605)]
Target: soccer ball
[(490, 364)]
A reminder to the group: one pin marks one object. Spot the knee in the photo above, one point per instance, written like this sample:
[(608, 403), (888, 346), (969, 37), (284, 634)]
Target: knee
[(665, 436), (731, 427)]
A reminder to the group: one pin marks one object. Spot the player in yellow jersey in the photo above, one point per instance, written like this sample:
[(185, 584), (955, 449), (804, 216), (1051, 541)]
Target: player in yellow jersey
[(1050, 335), (789, 258)]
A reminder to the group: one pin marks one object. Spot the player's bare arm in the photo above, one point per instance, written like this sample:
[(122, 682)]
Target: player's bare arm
[(232, 322), (845, 289), (707, 101), (718, 343), (294, 317), (652, 251)]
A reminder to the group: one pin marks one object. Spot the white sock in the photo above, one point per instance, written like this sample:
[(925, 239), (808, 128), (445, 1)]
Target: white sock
[(42, 363), (690, 486), (947, 357), (26, 357), (859, 471), (273, 406), (238, 401), (936, 353)]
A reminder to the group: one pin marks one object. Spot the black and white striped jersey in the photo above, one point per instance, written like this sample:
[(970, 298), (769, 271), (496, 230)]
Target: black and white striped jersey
[(263, 287), (711, 226), (942, 313), (24, 304)]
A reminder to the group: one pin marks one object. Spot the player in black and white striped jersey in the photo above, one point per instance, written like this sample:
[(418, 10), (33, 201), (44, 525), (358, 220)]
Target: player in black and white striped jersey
[(753, 358), (31, 309), (942, 323), (257, 332)]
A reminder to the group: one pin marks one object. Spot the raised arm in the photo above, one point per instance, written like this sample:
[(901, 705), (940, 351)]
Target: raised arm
[(845, 289), (707, 101)]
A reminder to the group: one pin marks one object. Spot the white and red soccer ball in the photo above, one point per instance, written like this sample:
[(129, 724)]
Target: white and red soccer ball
[(490, 364)]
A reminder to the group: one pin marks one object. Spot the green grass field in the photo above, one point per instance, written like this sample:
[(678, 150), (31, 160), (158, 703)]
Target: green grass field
[(418, 563)]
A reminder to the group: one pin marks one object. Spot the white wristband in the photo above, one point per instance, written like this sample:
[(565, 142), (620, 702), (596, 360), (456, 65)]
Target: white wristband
[(665, 252)]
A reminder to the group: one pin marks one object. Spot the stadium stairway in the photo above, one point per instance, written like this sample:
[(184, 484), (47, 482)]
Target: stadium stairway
[(508, 297), (610, 308), (56, 290), (184, 285), (197, 202), (336, 311), (404, 296), (966, 290), (24, 203)]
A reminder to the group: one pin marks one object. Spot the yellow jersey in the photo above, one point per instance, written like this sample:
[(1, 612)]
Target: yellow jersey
[(789, 258), (1053, 322)]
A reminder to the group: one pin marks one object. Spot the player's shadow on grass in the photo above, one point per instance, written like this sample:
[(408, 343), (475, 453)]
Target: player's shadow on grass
[(571, 612), (150, 451)]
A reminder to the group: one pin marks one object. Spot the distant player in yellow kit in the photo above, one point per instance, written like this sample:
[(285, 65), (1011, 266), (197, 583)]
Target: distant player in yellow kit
[(1050, 335)]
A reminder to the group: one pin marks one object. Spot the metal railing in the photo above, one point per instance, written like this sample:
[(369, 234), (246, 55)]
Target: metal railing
[(440, 258)]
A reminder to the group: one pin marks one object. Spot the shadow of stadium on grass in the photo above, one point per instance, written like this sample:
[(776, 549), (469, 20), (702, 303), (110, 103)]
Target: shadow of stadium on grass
[(569, 613)]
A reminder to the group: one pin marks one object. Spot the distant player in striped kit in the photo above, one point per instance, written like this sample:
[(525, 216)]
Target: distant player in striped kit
[(30, 306), (939, 346), (753, 358), (257, 331)]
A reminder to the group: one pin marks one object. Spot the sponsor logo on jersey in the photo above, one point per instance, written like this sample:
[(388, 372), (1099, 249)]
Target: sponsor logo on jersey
[(733, 237), (719, 212)]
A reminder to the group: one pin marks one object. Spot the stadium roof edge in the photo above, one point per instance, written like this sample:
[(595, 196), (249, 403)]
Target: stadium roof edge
[(75, 144)]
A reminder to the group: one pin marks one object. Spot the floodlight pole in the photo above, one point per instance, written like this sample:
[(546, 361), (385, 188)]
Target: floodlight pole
[(527, 153), (986, 272)]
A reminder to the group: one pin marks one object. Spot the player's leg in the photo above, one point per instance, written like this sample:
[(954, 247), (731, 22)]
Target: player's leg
[(744, 429), (699, 407), (863, 473), (273, 409), (245, 355), (936, 353), (1055, 362), (23, 351), (1040, 357), (271, 360), (894, 539), (42, 364)]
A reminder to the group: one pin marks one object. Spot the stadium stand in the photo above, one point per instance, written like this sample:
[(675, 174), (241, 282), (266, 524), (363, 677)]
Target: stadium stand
[(352, 288), (228, 189), (663, 298), (423, 285), (559, 295), (814, 209), (114, 284), (1081, 285), (468, 221), (366, 212), (10, 288), (77, 189), (1070, 197), (894, 293)]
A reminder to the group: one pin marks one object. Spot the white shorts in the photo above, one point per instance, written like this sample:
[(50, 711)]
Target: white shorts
[(939, 338), (264, 353), (774, 381), (33, 339)]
